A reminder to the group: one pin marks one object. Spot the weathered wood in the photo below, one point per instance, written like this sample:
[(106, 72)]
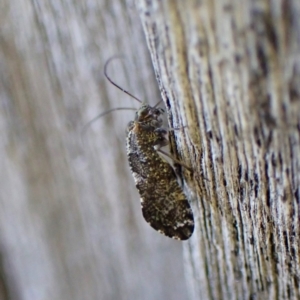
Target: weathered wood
[(71, 225), (230, 71)]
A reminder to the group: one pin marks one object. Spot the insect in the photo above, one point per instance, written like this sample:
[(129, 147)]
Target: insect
[(164, 205)]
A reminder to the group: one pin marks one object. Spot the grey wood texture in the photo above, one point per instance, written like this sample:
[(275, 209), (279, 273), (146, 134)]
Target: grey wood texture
[(71, 225), (230, 72)]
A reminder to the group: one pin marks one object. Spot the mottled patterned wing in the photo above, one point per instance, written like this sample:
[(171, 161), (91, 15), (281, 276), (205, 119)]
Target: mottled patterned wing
[(167, 210), (164, 204)]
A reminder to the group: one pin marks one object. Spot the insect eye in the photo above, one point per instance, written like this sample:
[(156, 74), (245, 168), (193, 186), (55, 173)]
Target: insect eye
[(161, 131), (159, 111), (156, 112)]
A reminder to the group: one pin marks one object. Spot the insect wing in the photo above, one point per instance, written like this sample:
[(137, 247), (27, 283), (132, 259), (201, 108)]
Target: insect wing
[(167, 210), (163, 202)]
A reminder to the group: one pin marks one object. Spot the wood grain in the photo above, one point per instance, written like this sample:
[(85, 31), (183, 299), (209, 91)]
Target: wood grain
[(229, 71), (71, 222)]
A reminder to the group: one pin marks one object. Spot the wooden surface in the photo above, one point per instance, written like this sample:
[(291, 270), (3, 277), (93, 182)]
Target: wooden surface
[(71, 223), (230, 72)]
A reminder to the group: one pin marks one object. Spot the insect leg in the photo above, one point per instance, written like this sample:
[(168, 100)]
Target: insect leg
[(164, 142), (174, 159)]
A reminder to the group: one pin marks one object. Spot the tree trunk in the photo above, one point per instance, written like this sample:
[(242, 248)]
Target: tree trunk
[(229, 73)]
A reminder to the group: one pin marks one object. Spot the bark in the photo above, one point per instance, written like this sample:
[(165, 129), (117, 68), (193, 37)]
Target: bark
[(71, 225), (230, 72)]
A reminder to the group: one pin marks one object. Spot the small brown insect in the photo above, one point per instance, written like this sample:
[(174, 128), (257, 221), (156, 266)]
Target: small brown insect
[(164, 204)]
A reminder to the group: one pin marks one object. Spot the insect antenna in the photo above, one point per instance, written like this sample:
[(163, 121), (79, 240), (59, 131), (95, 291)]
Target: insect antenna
[(157, 103), (88, 124), (113, 83)]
